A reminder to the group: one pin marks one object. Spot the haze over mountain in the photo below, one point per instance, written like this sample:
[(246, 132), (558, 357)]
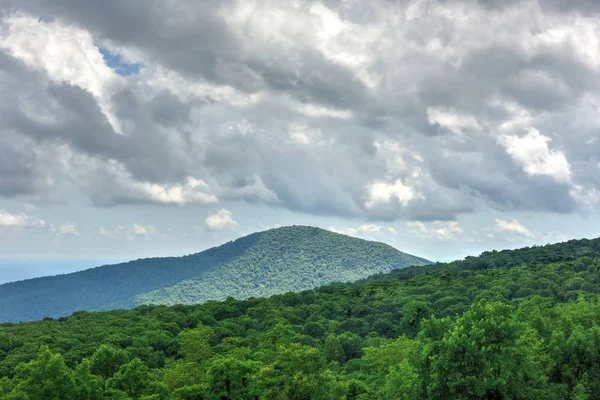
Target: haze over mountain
[(12, 270), (261, 264)]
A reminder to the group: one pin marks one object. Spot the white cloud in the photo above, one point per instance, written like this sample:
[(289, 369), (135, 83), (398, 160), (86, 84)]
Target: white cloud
[(394, 153), (443, 230), (22, 220), (186, 88), (302, 134), (535, 157), (382, 192), (364, 230), (588, 196), (311, 110), (345, 42), (453, 121), (220, 221), (193, 191), (91, 172), (344, 231), (308, 26), (68, 229), (370, 228), (142, 231), (513, 226), (66, 53), (107, 232)]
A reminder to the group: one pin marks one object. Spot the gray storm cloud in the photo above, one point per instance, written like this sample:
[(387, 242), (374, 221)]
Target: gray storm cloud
[(392, 110)]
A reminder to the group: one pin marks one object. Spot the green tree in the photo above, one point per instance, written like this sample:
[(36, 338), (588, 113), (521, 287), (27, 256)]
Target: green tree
[(351, 344), (47, 377), (230, 378), (194, 344), (333, 349), (488, 354), (89, 386), (132, 378), (107, 360), (412, 315), (297, 373)]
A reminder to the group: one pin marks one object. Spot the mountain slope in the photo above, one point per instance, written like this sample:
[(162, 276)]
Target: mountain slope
[(535, 255), (264, 263)]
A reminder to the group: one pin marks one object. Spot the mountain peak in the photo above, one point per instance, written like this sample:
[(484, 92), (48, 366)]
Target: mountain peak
[(289, 258)]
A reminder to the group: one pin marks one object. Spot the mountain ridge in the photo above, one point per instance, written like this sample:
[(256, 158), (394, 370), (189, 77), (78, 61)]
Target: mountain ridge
[(283, 259)]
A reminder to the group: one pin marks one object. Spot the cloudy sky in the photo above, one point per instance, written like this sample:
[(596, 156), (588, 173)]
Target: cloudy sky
[(144, 128)]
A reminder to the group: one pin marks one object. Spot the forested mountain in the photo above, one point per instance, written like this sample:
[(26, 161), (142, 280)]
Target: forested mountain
[(265, 263), (521, 324)]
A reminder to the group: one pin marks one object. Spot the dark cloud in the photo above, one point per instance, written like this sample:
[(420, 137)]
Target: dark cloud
[(584, 7), (193, 38), (19, 174), (186, 35), (578, 6), (294, 123), (167, 110)]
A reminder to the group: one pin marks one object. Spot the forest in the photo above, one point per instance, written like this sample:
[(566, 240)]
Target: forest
[(521, 324)]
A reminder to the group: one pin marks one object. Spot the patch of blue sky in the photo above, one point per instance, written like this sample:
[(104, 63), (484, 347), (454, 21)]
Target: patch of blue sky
[(116, 62)]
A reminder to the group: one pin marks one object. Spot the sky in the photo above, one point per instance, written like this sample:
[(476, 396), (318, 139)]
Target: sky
[(137, 128)]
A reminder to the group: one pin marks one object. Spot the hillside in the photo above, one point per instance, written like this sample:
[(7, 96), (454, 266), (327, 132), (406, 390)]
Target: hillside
[(521, 324), (549, 253), (265, 263)]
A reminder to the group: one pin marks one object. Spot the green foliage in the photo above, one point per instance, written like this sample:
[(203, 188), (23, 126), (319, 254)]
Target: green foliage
[(107, 360), (194, 344), (135, 380), (487, 354), (230, 378), (412, 314), (46, 377), (297, 372), (511, 325), (89, 386), (333, 349), (262, 264)]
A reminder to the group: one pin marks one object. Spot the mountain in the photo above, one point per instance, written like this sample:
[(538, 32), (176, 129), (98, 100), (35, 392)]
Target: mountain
[(520, 324), (279, 260)]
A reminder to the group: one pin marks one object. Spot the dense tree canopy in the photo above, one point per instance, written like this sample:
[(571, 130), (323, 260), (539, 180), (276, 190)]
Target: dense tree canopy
[(506, 325)]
